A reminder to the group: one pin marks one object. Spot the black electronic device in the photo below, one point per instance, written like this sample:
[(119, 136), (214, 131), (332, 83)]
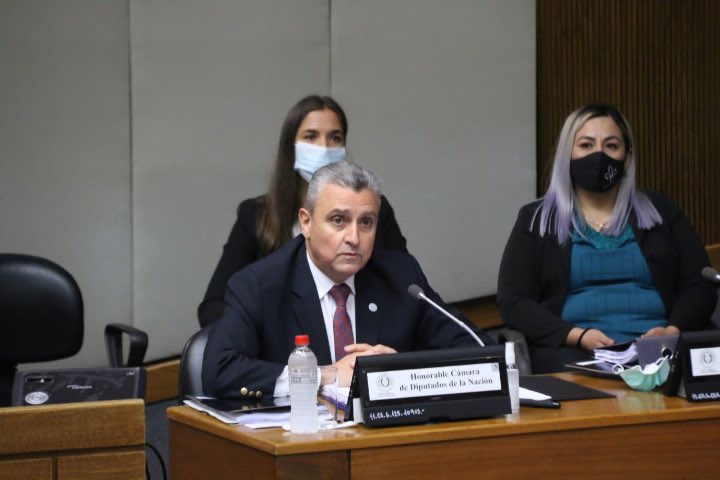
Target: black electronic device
[(695, 367), (41, 387), (433, 385)]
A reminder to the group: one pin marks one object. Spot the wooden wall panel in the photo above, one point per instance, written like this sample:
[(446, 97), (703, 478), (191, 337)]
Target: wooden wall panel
[(659, 63)]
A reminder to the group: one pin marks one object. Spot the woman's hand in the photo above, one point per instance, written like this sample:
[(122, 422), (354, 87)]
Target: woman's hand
[(660, 331), (591, 338)]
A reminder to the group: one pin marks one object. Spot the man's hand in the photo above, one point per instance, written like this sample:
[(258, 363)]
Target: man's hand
[(346, 364)]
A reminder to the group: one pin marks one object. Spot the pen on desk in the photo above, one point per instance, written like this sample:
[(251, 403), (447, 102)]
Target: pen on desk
[(526, 402)]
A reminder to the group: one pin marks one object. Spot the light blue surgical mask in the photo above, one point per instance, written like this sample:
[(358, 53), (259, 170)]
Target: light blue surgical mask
[(645, 378), (310, 158)]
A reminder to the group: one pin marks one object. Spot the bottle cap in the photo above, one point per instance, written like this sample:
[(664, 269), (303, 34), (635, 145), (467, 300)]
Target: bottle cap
[(510, 353), (302, 340)]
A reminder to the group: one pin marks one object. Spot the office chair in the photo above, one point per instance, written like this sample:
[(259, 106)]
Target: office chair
[(41, 319), (503, 334), (713, 252), (137, 346), (41, 315), (190, 374)]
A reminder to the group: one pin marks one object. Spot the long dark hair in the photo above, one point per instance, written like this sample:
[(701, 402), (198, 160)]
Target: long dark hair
[(287, 188)]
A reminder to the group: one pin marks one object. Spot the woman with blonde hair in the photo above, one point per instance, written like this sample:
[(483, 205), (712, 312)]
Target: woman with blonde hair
[(598, 260)]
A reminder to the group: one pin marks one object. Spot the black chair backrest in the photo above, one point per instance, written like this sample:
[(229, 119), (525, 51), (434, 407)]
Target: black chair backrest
[(41, 315), (190, 377), (41, 311)]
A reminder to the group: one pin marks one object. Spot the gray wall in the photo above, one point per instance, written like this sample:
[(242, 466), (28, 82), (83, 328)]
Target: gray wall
[(441, 102), (65, 181), (132, 129)]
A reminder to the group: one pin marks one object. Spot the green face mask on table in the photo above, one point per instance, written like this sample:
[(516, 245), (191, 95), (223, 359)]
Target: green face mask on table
[(645, 378)]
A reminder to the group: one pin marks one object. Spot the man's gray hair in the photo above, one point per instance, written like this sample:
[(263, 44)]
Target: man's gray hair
[(344, 174)]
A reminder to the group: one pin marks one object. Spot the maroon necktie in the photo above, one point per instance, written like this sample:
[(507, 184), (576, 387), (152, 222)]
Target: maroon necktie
[(342, 328)]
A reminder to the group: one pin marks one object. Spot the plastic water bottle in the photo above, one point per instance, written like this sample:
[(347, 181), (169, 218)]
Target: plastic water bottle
[(302, 369), (513, 376)]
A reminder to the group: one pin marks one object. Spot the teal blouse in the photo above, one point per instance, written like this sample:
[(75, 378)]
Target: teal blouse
[(611, 287)]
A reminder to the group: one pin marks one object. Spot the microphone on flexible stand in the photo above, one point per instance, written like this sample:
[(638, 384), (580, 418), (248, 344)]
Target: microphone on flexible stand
[(417, 292), (710, 274)]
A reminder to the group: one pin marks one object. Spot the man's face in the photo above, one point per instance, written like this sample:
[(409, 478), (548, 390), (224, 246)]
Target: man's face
[(340, 233)]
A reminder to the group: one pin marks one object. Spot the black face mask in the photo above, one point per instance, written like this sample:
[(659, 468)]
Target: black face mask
[(596, 172)]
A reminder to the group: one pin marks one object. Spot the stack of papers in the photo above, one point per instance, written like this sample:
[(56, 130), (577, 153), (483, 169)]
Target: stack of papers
[(251, 419), (260, 418), (622, 353), (339, 394)]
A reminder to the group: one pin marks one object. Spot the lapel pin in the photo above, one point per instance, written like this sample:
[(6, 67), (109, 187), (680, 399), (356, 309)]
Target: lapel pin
[(372, 307)]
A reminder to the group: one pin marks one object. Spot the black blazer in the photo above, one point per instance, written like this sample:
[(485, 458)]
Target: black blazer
[(242, 248), (274, 299), (535, 271)]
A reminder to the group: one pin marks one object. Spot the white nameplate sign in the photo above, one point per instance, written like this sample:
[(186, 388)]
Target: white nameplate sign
[(705, 361), (426, 382), (431, 385)]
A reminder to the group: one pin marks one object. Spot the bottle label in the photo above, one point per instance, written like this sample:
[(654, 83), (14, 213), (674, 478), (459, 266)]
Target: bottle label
[(303, 376)]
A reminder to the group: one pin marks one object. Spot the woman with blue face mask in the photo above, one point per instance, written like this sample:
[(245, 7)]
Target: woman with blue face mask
[(312, 136), (597, 260)]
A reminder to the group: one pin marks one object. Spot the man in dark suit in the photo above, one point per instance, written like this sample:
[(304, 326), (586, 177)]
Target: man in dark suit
[(289, 293)]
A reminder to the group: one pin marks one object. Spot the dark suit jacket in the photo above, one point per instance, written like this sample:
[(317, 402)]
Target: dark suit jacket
[(242, 248), (274, 299)]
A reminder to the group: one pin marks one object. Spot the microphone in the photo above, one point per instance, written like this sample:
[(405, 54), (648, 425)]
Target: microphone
[(710, 274), (417, 292)]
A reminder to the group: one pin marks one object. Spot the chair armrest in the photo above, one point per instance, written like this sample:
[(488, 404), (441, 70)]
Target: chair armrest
[(137, 347), (522, 354)]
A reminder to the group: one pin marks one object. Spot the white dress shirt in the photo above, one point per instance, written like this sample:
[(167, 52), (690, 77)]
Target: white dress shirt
[(327, 305)]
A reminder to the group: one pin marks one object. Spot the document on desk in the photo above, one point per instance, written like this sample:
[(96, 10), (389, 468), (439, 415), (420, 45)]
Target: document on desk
[(527, 394), (339, 394), (258, 418), (559, 389), (621, 353)]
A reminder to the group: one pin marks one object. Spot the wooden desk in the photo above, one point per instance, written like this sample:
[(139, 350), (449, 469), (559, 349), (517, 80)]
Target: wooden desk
[(78, 441), (641, 434)]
